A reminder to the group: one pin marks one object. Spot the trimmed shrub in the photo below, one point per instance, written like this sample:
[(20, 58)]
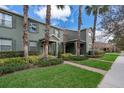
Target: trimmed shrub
[(71, 57), (49, 62), (9, 65), (98, 53), (66, 56), (12, 54), (78, 58), (12, 64), (56, 61), (33, 59)]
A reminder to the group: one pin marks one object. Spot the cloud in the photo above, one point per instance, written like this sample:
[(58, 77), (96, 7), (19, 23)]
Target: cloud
[(72, 20), (58, 14), (4, 7), (101, 37)]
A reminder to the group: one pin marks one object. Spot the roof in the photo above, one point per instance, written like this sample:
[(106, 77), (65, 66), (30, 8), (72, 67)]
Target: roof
[(37, 20), (73, 40), (20, 15)]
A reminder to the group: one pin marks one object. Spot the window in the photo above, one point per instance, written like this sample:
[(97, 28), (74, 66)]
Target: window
[(32, 27), (5, 45), (33, 45), (57, 33), (5, 20), (0, 18)]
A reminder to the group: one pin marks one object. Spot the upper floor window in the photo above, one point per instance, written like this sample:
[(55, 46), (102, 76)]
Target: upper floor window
[(32, 27), (57, 33), (5, 20), (5, 45)]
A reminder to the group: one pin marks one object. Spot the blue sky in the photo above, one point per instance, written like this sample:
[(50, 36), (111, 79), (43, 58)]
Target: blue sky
[(71, 17)]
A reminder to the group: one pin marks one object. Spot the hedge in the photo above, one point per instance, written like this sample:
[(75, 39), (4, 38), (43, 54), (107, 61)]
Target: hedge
[(71, 57), (11, 54), (9, 65)]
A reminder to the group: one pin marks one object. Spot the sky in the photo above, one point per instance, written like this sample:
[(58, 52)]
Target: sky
[(66, 18)]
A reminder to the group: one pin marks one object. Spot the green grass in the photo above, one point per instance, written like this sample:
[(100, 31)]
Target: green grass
[(96, 64), (109, 57), (52, 77)]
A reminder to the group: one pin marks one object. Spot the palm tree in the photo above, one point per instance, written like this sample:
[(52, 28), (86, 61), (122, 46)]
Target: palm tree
[(48, 17), (96, 10), (25, 32), (79, 28)]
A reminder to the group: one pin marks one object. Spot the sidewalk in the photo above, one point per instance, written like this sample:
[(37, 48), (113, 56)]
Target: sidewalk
[(115, 76)]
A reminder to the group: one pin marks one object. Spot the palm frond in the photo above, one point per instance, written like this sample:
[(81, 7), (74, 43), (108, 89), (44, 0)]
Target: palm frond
[(60, 6), (88, 10)]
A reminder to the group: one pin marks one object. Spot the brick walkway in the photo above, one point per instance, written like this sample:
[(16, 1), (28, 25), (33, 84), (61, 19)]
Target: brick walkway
[(103, 72)]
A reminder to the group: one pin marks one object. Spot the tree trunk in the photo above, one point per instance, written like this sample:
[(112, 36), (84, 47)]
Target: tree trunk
[(79, 27), (94, 32), (64, 44), (25, 33), (46, 43)]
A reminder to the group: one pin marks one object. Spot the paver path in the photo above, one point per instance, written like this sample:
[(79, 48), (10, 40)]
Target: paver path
[(115, 76), (86, 67)]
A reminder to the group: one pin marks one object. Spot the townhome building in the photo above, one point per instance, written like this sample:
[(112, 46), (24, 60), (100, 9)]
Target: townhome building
[(61, 40)]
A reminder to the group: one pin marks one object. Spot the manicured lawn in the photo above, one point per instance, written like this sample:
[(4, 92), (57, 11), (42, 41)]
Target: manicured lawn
[(53, 77), (109, 57), (96, 64)]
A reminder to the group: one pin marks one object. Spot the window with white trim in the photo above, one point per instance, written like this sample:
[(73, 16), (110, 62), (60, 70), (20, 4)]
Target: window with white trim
[(5, 45), (33, 45), (57, 33), (5, 20), (32, 27)]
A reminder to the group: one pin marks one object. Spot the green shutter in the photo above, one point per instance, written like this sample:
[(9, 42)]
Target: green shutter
[(14, 45), (14, 21), (38, 27)]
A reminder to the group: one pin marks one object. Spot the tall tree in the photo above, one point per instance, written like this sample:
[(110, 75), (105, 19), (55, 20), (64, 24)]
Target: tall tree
[(96, 10), (79, 28), (48, 17), (25, 32), (113, 25)]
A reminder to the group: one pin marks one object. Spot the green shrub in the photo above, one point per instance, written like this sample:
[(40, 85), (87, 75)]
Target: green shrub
[(78, 58), (8, 65), (66, 56), (12, 54), (51, 57), (56, 61), (33, 59), (97, 52), (12, 64), (71, 57), (49, 62)]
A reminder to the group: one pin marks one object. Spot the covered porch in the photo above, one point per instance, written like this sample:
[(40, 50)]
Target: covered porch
[(71, 47), (54, 44)]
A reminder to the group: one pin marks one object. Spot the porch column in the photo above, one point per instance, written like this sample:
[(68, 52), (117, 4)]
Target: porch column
[(75, 43), (57, 49), (64, 44)]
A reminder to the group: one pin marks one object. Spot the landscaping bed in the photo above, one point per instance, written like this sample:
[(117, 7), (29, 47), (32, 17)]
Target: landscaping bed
[(71, 57), (9, 65), (58, 76)]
